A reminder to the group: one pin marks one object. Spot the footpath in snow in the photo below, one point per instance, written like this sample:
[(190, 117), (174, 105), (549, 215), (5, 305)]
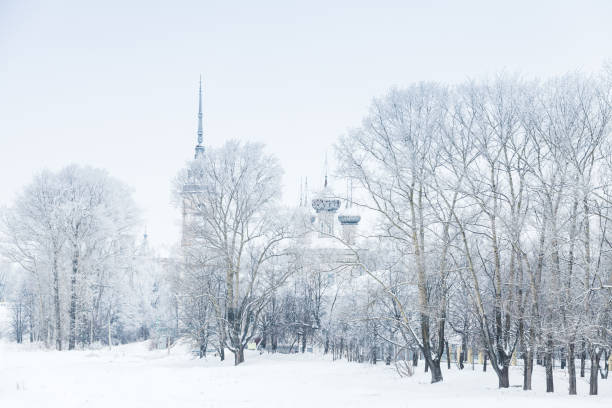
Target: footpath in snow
[(132, 376)]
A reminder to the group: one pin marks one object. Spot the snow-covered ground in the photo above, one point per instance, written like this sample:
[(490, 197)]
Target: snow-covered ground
[(132, 376)]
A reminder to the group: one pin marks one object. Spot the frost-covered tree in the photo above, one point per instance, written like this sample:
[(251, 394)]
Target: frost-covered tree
[(239, 231), (497, 193), (72, 232), (392, 158)]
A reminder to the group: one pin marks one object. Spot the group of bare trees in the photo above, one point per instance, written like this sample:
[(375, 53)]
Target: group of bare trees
[(489, 201), (236, 245), (496, 197), (72, 234)]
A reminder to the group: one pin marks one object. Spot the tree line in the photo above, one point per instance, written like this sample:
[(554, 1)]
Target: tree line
[(496, 197), (487, 206), (78, 274)]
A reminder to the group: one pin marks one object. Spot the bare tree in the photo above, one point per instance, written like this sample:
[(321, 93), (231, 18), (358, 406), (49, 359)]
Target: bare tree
[(232, 198), (388, 157)]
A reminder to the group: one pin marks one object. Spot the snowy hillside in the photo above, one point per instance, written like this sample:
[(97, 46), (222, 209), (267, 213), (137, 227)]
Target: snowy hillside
[(132, 376)]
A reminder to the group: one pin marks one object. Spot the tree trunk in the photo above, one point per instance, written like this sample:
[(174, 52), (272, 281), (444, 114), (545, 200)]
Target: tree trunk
[(549, 365), (571, 368), (504, 376), (436, 371), (594, 371), (91, 324), (582, 359), (73, 299), (527, 369), (239, 355), (463, 354), (56, 304), (606, 370), (110, 319), (563, 359), (448, 356)]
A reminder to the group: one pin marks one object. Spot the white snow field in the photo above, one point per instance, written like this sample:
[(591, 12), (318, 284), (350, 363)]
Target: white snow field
[(132, 376)]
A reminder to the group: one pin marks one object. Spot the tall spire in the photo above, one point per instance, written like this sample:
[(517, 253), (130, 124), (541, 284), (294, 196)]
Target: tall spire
[(325, 169), (199, 150), (301, 193)]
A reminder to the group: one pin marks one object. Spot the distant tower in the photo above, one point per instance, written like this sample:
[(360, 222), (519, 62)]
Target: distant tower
[(199, 149), (193, 184), (326, 205), (349, 218)]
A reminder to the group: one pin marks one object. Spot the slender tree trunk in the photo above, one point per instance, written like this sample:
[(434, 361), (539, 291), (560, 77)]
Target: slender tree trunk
[(56, 304), (527, 369), (462, 355), (571, 368), (110, 318), (448, 356), (549, 365), (73, 298), (606, 370), (582, 359), (563, 358)]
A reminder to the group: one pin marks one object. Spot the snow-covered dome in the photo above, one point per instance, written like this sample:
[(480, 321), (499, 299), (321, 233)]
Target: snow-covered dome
[(325, 200), (349, 217)]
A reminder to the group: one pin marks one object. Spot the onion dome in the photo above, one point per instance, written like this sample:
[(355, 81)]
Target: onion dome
[(349, 219), (348, 215), (325, 201)]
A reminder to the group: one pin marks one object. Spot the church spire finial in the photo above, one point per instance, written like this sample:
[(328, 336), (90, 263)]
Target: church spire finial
[(199, 150), (301, 192), (325, 170)]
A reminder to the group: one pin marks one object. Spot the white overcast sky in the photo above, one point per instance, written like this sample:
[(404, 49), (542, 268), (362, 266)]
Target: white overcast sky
[(113, 84)]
